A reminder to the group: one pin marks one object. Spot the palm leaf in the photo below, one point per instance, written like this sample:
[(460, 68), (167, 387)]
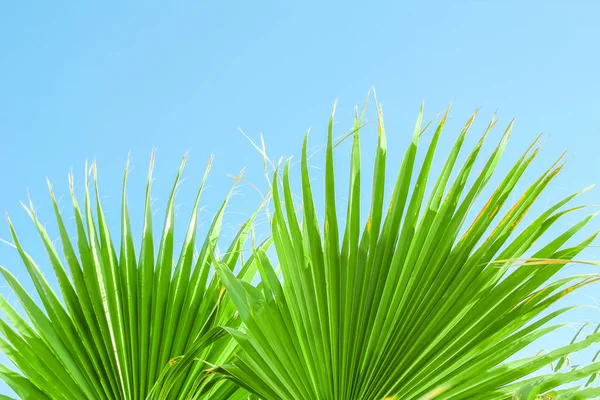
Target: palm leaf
[(415, 304), (126, 318)]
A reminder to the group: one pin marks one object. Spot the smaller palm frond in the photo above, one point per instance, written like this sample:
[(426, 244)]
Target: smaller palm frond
[(127, 317)]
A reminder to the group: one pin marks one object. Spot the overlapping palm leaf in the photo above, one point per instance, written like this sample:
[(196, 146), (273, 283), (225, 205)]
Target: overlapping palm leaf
[(414, 303), (127, 316)]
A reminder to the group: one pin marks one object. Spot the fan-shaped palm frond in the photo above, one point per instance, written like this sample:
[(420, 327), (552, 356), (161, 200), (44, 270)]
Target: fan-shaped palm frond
[(415, 304), (126, 317)]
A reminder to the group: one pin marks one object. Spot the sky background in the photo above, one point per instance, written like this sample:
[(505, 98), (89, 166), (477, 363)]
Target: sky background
[(89, 80)]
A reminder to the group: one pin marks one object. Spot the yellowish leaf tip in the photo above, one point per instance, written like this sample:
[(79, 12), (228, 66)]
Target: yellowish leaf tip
[(127, 164), (183, 161), (71, 181), (152, 158), (49, 184)]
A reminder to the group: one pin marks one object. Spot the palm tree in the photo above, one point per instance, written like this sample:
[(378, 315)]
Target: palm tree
[(412, 303), (126, 318)]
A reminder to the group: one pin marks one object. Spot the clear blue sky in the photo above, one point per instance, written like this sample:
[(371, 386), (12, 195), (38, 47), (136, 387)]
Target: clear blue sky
[(83, 80)]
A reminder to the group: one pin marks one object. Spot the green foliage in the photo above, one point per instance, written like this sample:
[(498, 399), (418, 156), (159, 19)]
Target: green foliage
[(127, 318), (411, 305), (414, 303)]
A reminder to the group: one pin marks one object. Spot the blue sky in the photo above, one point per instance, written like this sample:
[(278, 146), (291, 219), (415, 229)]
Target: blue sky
[(83, 80)]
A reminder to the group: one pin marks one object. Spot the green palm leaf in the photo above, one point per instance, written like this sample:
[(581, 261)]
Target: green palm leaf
[(415, 304), (127, 318)]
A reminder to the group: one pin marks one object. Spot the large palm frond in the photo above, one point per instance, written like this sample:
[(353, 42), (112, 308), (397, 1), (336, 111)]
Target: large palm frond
[(415, 304)]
